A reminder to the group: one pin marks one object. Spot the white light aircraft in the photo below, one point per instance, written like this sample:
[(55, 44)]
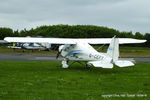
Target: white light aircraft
[(80, 50)]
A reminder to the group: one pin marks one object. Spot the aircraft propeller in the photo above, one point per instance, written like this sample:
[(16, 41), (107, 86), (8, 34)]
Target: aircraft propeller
[(58, 54)]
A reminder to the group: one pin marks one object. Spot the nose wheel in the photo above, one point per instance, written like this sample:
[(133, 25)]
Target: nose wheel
[(88, 65), (65, 64)]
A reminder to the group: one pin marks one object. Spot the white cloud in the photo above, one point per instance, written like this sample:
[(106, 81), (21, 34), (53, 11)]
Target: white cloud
[(124, 15)]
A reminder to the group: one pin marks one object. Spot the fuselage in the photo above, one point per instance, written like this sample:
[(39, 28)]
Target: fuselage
[(82, 51)]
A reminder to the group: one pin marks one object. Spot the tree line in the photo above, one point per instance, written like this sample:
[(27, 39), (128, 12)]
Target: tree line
[(73, 31)]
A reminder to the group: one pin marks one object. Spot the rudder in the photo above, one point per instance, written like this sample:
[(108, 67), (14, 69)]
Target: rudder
[(113, 49)]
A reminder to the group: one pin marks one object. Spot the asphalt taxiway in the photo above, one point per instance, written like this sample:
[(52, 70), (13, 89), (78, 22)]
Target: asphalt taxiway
[(31, 57), (27, 57)]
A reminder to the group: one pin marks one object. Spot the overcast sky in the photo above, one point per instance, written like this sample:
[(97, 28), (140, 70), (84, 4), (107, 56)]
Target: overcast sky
[(123, 15)]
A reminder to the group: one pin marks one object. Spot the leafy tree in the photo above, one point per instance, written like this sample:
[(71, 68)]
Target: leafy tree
[(5, 32), (147, 37), (73, 31), (138, 35)]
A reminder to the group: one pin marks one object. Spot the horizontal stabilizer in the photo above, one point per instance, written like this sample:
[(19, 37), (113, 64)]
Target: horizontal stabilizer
[(124, 63), (101, 64)]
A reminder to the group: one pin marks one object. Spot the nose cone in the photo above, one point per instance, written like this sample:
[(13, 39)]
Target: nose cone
[(60, 48)]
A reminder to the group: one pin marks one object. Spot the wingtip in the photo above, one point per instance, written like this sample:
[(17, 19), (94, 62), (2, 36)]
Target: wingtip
[(5, 38), (142, 41)]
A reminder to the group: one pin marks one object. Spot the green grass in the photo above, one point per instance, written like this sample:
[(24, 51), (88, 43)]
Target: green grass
[(48, 81)]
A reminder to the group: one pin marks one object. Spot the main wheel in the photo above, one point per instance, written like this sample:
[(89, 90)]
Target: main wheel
[(88, 65)]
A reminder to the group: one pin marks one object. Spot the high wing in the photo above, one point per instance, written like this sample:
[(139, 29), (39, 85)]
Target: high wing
[(40, 40), (70, 40)]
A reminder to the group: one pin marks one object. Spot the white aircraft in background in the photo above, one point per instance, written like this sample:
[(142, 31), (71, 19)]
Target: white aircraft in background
[(31, 46), (35, 46), (80, 50)]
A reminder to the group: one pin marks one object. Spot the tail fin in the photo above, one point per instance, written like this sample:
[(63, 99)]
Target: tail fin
[(113, 49), (113, 52)]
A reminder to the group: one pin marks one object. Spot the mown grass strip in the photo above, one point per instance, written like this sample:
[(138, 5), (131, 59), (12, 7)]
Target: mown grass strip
[(48, 81)]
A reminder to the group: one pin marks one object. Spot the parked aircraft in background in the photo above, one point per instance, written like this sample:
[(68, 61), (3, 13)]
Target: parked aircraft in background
[(16, 46), (31, 46), (77, 50)]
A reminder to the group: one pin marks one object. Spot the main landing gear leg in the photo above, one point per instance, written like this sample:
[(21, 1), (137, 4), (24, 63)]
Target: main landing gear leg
[(88, 65)]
